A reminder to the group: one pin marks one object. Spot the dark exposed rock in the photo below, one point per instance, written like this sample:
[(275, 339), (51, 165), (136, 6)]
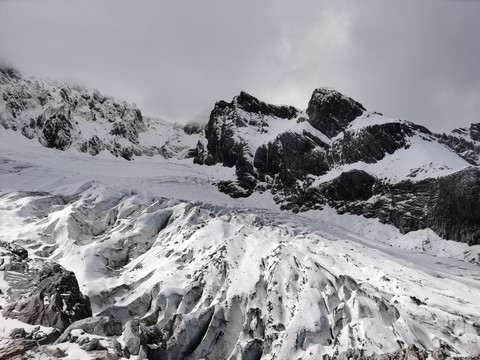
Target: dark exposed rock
[(58, 353), (465, 142), (73, 117), (475, 132), (288, 165), (223, 145), (371, 143), (351, 185), (93, 344), (226, 146), (330, 111), (57, 130), (448, 205), (193, 128), (93, 146), (134, 337), (54, 301), (292, 156), (454, 211), (16, 250), (18, 333), (252, 105), (137, 336), (9, 74)]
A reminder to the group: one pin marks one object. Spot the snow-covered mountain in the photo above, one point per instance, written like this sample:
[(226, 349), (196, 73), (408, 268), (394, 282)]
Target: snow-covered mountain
[(63, 117), (323, 233), (338, 154)]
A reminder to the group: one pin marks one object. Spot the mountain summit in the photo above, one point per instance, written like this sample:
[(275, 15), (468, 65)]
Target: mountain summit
[(336, 153), (269, 233)]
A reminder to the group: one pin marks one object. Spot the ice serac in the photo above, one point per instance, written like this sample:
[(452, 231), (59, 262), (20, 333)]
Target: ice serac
[(192, 279), (330, 111)]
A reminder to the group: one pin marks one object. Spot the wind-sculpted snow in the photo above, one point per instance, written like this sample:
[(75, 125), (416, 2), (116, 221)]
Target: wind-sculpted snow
[(223, 281)]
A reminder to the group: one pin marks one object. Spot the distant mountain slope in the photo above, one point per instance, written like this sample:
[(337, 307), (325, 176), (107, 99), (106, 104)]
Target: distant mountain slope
[(63, 116), (333, 153), (337, 153)]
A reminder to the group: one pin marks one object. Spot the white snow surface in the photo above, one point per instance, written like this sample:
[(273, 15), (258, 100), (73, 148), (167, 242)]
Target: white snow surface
[(160, 228), (421, 160)]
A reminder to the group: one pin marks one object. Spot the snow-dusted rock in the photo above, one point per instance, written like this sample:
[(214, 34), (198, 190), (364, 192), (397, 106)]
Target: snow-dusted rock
[(193, 273), (465, 142), (43, 293), (63, 116), (330, 111), (339, 154)]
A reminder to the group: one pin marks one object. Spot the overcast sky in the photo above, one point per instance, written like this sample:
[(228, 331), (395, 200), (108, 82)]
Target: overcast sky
[(412, 59)]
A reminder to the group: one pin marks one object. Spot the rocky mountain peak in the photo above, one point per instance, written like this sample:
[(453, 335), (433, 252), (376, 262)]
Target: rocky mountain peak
[(329, 111), (475, 131), (65, 116), (251, 104), (465, 142), (9, 74)]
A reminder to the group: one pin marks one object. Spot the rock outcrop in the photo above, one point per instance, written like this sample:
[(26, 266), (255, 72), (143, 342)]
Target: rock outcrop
[(330, 111), (95, 325), (42, 292), (63, 116), (465, 142), (448, 205), (288, 152)]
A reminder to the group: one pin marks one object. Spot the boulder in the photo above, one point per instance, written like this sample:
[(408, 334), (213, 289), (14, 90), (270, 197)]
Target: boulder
[(54, 300), (96, 325)]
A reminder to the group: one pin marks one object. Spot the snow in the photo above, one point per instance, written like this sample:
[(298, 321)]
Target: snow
[(154, 223), (421, 160), (370, 119), (271, 128)]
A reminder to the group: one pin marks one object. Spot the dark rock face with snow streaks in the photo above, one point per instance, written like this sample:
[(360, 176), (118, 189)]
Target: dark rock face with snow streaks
[(289, 162), (42, 293)]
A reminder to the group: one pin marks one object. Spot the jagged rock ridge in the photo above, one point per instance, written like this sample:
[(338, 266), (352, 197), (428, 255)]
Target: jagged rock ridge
[(322, 155), (63, 116)]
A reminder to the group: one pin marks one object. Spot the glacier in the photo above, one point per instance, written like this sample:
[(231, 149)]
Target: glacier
[(190, 272)]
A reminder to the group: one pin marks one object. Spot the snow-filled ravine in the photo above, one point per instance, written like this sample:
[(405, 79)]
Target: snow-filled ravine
[(224, 278)]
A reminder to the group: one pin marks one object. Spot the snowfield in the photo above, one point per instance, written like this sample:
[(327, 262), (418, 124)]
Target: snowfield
[(225, 278)]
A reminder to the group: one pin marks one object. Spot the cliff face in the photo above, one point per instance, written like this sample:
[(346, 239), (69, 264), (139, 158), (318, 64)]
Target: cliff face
[(337, 153)]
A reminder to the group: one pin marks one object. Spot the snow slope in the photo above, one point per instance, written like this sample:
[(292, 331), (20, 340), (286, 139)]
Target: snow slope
[(225, 278)]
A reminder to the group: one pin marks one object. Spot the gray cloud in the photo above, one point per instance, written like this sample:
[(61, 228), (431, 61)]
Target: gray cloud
[(412, 59)]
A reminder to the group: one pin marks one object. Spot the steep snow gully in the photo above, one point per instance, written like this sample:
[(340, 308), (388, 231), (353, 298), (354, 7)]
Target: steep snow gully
[(271, 233)]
